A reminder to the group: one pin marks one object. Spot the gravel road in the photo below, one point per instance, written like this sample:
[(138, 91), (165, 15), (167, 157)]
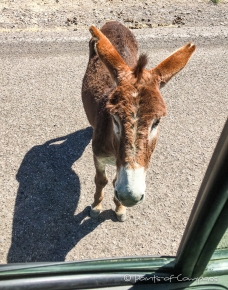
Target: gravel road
[(75, 15), (46, 163)]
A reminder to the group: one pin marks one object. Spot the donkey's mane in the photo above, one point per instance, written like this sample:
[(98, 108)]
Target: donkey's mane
[(138, 69)]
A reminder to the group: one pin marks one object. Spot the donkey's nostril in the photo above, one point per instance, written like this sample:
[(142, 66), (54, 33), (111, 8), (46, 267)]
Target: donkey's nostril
[(142, 197)]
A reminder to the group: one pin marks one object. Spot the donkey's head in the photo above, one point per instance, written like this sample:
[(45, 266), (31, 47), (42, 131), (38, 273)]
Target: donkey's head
[(136, 107)]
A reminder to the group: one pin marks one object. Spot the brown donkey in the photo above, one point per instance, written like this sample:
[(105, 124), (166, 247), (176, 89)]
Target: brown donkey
[(123, 104)]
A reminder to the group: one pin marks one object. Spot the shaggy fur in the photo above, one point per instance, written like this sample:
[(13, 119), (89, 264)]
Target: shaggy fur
[(136, 114)]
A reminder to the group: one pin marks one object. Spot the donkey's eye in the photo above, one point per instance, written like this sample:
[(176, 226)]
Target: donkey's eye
[(153, 130), (155, 124), (115, 122), (117, 125)]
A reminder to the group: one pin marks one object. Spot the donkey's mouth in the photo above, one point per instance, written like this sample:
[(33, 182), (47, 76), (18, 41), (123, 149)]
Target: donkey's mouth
[(128, 202)]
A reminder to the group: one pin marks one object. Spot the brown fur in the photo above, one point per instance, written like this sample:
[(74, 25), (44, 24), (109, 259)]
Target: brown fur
[(116, 83), (138, 69)]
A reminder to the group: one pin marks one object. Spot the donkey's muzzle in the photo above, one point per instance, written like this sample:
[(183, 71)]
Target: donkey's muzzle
[(130, 185)]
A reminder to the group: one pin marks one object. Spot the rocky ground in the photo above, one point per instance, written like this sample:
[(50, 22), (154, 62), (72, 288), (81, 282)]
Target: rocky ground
[(136, 14)]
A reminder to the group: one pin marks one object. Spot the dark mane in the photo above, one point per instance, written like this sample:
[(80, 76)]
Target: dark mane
[(138, 69)]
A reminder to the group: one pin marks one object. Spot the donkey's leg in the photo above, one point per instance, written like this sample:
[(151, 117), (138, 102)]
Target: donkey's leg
[(120, 209), (100, 181)]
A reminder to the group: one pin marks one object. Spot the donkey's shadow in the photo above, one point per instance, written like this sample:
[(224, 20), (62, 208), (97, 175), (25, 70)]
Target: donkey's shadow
[(44, 225)]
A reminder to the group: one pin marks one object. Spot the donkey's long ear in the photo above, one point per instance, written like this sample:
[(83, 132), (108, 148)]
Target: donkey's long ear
[(108, 54), (174, 63)]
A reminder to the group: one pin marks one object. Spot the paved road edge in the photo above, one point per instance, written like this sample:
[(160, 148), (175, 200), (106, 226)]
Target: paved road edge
[(77, 41)]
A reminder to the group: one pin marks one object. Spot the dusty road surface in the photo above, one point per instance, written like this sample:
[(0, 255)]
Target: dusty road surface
[(47, 172), (73, 15)]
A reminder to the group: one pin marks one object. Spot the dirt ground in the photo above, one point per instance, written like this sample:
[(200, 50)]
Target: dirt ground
[(136, 14)]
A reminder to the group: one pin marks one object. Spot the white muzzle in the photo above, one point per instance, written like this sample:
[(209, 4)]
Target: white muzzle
[(130, 186)]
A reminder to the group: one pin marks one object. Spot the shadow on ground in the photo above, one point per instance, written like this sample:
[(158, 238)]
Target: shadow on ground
[(44, 225)]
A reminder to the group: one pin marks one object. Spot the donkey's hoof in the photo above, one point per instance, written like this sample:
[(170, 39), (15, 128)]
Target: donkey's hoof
[(121, 217), (94, 213)]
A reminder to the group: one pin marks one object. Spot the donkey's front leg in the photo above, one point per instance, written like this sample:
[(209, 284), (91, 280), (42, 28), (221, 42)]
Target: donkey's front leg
[(120, 209), (100, 180)]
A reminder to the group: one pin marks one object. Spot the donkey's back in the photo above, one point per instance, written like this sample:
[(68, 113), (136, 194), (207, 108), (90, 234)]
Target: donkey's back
[(123, 40)]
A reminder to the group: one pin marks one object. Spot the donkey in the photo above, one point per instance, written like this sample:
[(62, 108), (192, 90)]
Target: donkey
[(123, 104)]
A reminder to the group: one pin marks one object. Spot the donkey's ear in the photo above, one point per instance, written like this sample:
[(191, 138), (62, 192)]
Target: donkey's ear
[(108, 54), (174, 63)]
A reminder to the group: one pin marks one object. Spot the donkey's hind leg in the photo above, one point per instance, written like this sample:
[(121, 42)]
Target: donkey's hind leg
[(120, 209), (100, 181)]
